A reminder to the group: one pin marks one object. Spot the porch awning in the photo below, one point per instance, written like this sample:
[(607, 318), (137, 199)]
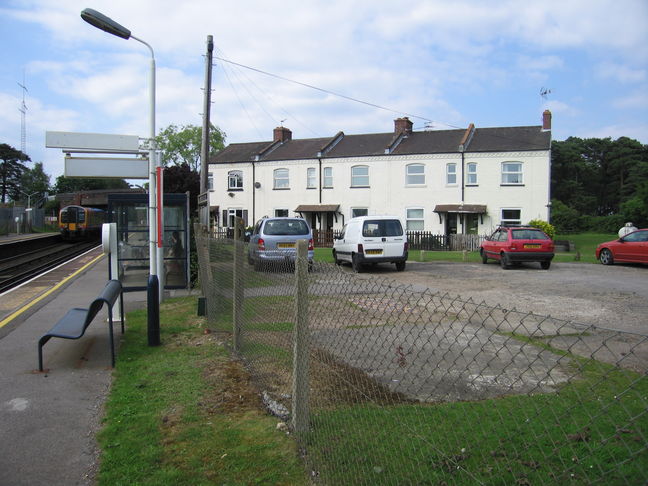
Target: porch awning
[(317, 208), (461, 208)]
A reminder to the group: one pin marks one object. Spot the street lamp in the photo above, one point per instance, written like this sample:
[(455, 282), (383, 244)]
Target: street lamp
[(99, 20)]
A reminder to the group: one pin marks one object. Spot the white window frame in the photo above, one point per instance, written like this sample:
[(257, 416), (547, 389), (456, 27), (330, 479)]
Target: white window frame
[(505, 221), (281, 212), (359, 180), (512, 177), (210, 181), (281, 178), (311, 178), (356, 212), (414, 178), (471, 175), (327, 177), (451, 175), (414, 222), (235, 180)]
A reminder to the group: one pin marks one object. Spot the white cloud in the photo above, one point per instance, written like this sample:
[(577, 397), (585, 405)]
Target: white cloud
[(636, 100), (622, 73)]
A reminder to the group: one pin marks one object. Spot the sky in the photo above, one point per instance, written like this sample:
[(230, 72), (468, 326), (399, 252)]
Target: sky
[(445, 64)]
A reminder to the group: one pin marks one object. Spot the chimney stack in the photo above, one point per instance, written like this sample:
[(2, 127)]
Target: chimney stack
[(546, 120), (281, 134), (402, 125)]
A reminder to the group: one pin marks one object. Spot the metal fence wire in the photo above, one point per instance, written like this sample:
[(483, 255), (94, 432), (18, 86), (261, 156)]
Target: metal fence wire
[(385, 384)]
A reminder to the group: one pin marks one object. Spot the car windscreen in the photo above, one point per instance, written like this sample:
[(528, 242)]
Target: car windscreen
[(286, 227), (529, 234), (382, 227)]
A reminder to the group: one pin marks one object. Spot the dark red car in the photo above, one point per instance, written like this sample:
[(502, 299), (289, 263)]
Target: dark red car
[(632, 248), (512, 245)]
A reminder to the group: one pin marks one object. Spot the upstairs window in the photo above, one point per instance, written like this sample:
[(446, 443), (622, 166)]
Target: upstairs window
[(512, 173), (210, 181), (471, 174), (311, 179), (415, 174), (328, 177), (451, 174), (281, 179), (360, 176), (235, 180)]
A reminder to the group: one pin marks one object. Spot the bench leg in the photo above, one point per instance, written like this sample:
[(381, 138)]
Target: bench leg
[(41, 343)]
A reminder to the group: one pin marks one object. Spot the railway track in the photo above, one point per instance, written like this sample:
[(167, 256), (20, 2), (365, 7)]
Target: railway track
[(21, 266)]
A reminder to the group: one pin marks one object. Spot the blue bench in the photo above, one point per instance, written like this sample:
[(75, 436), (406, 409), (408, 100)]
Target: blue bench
[(74, 324)]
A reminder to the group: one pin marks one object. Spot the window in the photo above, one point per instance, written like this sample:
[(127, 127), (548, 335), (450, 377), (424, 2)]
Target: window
[(511, 216), (360, 176), (328, 177), (230, 215), (311, 180), (415, 174), (451, 173), (512, 173), (235, 180), (414, 219), (355, 212), (210, 181), (281, 213), (281, 180), (471, 174)]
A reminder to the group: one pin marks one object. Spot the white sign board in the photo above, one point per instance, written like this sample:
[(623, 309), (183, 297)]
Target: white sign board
[(122, 168), (92, 141)]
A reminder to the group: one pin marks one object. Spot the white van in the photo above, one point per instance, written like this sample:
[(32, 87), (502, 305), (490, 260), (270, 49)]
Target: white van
[(371, 239)]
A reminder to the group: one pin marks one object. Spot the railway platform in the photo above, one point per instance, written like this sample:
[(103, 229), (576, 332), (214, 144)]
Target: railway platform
[(48, 420)]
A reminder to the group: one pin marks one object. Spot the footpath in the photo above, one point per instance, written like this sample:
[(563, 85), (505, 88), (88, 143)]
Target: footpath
[(48, 421)]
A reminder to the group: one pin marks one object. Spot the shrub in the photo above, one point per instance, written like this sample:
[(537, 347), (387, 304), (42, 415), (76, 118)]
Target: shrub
[(544, 226)]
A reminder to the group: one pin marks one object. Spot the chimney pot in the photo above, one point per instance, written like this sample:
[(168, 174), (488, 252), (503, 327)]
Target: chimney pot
[(546, 120), (281, 134), (403, 125)]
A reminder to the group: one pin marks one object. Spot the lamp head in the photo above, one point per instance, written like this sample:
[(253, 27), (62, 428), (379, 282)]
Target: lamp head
[(100, 21)]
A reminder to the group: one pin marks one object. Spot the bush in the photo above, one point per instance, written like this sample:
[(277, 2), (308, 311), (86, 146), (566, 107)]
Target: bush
[(544, 226)]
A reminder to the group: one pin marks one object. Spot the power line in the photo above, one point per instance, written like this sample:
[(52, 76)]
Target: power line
[(323, 90)]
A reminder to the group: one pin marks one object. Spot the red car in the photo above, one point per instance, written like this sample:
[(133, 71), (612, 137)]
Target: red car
[(632, 248), (512, 245)]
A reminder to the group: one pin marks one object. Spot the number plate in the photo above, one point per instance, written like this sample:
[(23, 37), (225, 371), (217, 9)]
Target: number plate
[(373, 252), (532, 246), (285, 245)]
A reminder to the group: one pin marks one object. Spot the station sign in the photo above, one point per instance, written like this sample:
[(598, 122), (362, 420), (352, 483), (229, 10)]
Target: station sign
[(96, 142), (114, 167)]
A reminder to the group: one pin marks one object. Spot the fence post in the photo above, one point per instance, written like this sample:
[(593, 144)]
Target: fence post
[(300, 408), (237, 311)]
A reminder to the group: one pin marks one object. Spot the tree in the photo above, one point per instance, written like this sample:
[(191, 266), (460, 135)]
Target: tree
[(183, 145), (76, 184), (11, 170), (180, 179), (35, 181)]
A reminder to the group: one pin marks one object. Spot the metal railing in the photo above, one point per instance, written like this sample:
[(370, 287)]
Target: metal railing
[(382, 383)]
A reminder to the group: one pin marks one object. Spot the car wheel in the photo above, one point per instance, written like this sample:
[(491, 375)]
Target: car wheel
[(606, 257), (545, 265), (483, 256), (355, 264), (337, 262), (400, 266), (504, 261)]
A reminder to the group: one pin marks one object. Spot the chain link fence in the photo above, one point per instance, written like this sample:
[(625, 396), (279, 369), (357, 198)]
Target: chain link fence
[(384, 384)]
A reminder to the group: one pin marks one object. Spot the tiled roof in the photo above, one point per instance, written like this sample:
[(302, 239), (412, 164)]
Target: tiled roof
[(504, 139)]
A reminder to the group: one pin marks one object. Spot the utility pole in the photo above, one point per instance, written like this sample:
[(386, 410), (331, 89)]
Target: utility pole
[(203, 199)]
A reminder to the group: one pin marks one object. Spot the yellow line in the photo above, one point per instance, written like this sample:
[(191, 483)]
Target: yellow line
[(7, 320)]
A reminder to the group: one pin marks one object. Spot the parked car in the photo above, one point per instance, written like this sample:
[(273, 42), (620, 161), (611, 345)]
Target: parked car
[(274, 240), (370, 240), (632, 248), (512, 245)]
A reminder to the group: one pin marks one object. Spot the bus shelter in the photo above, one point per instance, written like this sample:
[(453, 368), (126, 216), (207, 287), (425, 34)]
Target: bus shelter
[(130, 213)]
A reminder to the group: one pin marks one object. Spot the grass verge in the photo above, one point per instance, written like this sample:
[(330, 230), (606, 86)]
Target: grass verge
[(184, 413)]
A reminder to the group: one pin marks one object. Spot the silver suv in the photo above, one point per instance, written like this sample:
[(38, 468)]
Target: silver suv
[(274, 240)]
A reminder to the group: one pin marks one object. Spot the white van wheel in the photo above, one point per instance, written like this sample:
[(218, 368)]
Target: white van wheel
[(355, 264)]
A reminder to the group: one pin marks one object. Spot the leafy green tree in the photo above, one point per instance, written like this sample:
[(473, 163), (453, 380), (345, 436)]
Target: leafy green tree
[(180, 179), (11, 170), (182, 145), (35, 181), (74, 184)]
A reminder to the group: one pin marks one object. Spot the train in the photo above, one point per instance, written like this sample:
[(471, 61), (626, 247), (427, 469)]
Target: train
[(80, 223)]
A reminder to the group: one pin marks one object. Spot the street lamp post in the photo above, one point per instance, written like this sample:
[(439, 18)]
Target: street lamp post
[(99, 20)]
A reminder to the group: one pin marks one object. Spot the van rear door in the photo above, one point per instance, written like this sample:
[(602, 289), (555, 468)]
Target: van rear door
[(383, 238)]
